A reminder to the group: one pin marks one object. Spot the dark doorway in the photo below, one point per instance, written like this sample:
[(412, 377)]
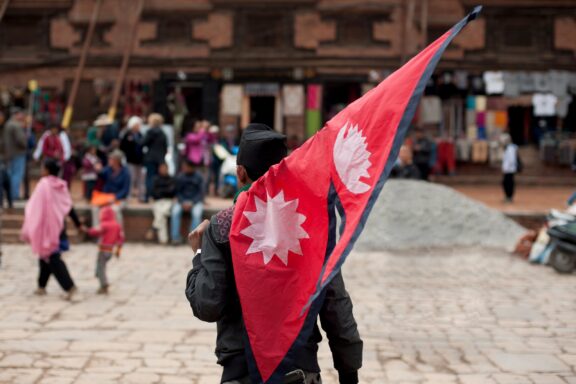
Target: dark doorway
[(192, 96), (337, 95), (262, 110)]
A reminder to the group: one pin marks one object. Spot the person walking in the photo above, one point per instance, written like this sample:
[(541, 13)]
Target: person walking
[(211, 289), (155, 146), (45, 229), (510, 166), (111, 239), (15, 150), (131, 145), (422, 147)]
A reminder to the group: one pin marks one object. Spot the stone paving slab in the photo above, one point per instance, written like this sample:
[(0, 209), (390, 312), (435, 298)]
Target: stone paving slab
[(466, 317)]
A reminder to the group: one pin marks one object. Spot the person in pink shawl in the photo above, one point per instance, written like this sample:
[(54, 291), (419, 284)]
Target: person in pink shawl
[(44, 227)]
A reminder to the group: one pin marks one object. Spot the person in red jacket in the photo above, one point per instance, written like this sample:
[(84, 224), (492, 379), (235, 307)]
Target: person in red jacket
[(52, 146), (111, 240)]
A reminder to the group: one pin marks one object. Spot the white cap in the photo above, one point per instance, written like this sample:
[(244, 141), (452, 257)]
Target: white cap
[(134, 120)]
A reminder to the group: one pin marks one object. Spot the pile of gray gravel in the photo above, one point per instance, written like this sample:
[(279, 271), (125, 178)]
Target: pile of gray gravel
[(415, 214)]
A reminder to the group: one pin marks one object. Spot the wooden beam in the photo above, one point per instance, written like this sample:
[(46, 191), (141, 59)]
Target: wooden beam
[(125, 60), (67, 118)]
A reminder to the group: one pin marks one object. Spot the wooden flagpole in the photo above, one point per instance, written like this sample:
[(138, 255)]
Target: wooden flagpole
[(125, 61), (4, 8), (80, 69)]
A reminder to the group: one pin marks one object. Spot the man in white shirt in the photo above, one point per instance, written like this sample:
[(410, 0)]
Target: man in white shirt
[(509, 166)]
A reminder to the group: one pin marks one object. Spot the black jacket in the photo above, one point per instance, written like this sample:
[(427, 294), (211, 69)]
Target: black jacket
[(156, 145), (163, 187), (211, 291), (190, 187), (131, 145)]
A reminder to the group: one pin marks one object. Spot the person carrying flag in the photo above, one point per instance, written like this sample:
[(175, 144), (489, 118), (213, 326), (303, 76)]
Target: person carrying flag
[(211, 289)]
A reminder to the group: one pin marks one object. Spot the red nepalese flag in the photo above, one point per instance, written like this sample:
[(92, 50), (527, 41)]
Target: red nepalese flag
[(284, 250)]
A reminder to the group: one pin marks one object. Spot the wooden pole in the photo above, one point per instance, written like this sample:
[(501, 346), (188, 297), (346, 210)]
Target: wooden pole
[(4, 8), (125, 61), (80, 69)]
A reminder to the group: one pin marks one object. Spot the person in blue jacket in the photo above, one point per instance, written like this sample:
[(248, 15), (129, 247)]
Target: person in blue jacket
[(116, 178)]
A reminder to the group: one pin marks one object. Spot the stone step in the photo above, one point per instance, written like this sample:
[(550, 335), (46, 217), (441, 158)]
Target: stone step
[(137, 222)]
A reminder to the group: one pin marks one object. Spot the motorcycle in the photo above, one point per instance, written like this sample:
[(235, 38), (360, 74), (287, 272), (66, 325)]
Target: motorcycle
[(563, 241), (541, 248)]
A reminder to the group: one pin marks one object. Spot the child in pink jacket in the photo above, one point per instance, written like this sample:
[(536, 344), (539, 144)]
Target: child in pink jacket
[(111, 239)]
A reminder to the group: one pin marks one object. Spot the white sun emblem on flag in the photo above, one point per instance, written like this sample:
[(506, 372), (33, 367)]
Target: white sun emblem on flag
[(275, 228), (351, 158)]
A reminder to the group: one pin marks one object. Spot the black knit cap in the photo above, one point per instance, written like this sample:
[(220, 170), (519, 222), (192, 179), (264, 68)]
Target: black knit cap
[(260, 148), (52, 166)]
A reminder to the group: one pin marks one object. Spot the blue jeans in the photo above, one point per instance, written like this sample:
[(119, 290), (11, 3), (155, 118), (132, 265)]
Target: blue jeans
[(176, 218), (16, 169)]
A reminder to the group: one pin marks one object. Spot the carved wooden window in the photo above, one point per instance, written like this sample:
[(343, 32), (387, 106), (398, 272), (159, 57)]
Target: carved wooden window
[(519, 34), (98, 39), (261, 29), (354, 30), (176, 29), (171, 28)]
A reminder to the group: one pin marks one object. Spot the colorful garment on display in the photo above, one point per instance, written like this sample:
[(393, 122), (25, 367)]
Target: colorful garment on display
[(283, 234), (471, 102), (544, 104), (494, 81), (481, 103), (431, 110)]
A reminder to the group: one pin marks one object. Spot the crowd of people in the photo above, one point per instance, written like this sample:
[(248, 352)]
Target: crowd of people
[(140, 161)]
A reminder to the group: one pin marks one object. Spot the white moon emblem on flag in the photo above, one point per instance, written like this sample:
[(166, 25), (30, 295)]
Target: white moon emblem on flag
[(351, 158), (275, 228)]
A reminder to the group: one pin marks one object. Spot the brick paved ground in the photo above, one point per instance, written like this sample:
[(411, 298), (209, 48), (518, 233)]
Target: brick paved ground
[(445, 317), (528, 198)]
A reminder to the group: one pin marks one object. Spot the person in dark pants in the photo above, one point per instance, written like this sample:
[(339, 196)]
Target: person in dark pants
[(422, 153), (44, 216), (5, 186), (155, 146), (211, 290), (509, 167), (131, 145)]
